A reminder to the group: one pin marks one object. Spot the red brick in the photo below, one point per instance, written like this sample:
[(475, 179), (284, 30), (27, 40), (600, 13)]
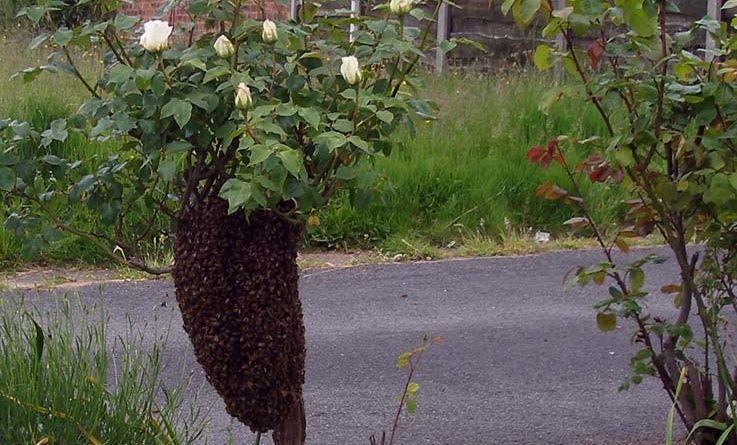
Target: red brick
[(146, 9)]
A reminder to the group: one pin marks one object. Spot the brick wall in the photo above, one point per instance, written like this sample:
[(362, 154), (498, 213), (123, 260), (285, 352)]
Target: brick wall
[(147, 9)]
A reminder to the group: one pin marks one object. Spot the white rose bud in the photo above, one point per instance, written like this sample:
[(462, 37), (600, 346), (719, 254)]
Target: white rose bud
[(400, 7), (224, 47), (155, 36), (243, 96), (350, 70), (269, 34)]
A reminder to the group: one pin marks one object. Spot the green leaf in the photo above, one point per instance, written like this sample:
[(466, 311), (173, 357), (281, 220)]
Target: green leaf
[(385, 116), (332, 139), (312, 117), (177, 147), (506, 6), (123, 22), (346, 173), (181, 110), (542, 57), (7, 178), (34, 13), (360, 143), (636, 279), (167, 169), (216, 73), (236, 192), (259, 153), (40, 339), (447, 46), (720, 190), (729, 4), (411, 406), (606, 321), (412, 388), (590, 7), (524, 12), (292, 161), (637, 18), (63, 36), (403, 360)]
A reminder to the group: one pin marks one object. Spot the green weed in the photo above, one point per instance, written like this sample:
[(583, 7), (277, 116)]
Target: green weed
[(63, 383)]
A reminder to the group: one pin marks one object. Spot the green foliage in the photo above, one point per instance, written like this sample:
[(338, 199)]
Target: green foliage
[(59, 385), (299, 137), (674, 148)]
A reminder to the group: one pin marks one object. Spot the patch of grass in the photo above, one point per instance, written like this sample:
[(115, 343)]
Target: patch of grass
[(467, 173), (61, 382)]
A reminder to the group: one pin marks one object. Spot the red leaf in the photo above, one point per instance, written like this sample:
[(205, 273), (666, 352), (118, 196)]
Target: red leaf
[(599, 174), (596, 49), (555, 192), (534, 154), (543, 188), (545, 161), (552, 146)]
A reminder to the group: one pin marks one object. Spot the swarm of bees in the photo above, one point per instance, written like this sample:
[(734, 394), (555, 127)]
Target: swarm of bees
[(236, 285)]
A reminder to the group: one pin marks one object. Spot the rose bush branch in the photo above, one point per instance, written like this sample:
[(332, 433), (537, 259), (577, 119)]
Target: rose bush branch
[(670, 118)]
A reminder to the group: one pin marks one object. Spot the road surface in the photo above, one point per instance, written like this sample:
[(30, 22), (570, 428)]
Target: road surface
[(521, 360)]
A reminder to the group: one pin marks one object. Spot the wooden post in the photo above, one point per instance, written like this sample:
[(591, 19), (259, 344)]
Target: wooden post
[(560, 41), (442, 34), (355, 12), (713, 10), (293, 10)]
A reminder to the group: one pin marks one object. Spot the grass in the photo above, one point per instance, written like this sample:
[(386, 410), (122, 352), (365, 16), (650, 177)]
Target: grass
[(462, 180), (62, 381), (466, 175)]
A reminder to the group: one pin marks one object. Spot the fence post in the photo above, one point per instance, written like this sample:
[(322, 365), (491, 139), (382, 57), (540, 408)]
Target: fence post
[(560, 41), (442, 34), (713, 10), (355, 11), (293, 10)]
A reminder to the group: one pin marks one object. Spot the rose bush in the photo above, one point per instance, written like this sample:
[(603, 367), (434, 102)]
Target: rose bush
[(668, 103)]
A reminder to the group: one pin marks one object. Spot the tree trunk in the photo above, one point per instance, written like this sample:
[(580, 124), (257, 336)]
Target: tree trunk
[(236, 285), (292, 429)]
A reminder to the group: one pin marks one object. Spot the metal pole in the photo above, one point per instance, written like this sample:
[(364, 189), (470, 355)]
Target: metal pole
[(713, 10), (355, 12), (442, 35)]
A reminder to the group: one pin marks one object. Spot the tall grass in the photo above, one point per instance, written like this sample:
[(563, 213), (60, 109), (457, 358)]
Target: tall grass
[(65, 381), (465, 175)]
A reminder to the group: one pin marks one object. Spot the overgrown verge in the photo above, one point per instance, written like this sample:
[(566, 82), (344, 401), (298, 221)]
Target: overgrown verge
[(65, 380)]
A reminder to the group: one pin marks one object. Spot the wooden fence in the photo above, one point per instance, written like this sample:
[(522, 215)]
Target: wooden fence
[(473, 20), (498, 33)]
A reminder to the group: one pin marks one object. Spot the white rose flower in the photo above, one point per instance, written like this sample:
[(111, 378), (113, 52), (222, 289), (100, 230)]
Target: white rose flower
[(224, 47), (400, 7), (269, 34), (350, 70), (155, 36), (243, 96)]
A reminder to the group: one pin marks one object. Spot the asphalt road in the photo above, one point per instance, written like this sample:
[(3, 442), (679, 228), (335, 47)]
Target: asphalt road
[(521, 360)]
